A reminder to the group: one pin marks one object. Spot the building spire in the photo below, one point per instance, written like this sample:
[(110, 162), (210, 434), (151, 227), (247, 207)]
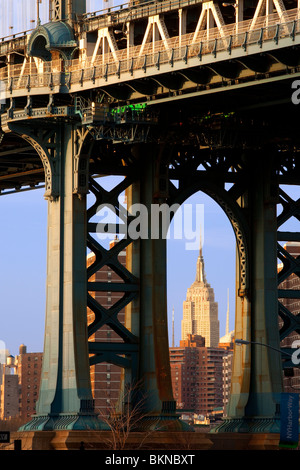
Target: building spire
[(173, 337), (200, 275), (200, 245)]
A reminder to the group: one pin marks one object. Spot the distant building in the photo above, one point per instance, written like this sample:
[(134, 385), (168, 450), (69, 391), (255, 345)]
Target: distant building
[(188, 372), (29, 368), (20, 384), (291, 381), (201, 366), (200, 311), (197, 376), (227, 374), (215, 380), (9, 390), (228, 338)]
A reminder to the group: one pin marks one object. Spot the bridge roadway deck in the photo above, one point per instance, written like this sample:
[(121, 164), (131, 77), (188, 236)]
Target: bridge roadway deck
[(226, 54), (235, 58), (112, 16)]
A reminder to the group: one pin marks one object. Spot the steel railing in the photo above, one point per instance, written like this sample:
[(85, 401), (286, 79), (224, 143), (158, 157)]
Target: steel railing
[(183, 48)]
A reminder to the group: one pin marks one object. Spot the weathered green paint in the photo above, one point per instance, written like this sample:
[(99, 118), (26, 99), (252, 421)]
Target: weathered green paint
[(65, 399), (257, 371)]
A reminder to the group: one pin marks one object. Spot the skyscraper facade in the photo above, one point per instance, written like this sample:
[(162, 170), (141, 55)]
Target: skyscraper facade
[(200, 310)]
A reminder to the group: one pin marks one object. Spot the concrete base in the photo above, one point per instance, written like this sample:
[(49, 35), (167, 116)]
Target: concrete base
[(245, 441), (105, 440), (154, 440)]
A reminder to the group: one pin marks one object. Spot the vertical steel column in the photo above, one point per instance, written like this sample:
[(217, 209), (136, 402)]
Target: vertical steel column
[(65, 399), (266, 363), (257, 370), (132, 310), (154, 376), (241, 366)]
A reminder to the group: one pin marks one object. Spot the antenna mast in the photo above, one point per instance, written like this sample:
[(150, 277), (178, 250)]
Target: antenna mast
[(38, 21), (173, 342), (227, 316)]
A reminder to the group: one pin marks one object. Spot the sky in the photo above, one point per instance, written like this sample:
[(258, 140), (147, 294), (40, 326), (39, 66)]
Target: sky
[(20, 15)]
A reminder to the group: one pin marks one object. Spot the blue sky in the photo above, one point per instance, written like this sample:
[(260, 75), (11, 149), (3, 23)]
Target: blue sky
[(19, 15)]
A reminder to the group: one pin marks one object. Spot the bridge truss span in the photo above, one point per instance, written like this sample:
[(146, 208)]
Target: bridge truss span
[(140, 59)]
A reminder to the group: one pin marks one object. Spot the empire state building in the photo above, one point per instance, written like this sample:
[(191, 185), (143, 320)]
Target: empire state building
[(200, 311)]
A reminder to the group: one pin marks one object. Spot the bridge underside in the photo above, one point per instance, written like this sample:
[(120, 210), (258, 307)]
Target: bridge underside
[(227, 121)]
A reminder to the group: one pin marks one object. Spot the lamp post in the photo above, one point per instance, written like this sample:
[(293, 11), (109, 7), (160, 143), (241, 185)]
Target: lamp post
[(244, 341)]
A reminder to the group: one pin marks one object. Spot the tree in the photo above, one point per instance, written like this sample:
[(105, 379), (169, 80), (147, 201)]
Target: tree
[(128, 420)]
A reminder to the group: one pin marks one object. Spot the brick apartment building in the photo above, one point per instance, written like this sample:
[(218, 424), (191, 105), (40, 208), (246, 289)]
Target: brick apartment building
[(197, 376), (20, 384), (105, 377), (29, 368), (9, 393)]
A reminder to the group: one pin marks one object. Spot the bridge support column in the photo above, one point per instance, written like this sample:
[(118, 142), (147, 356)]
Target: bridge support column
[(266, 363), (65, 398), (257, 371), (154, 389)]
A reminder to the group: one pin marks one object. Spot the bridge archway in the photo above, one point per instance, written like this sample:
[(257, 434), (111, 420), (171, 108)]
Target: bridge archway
[(236, 218), (218, 243), (219, 259)]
